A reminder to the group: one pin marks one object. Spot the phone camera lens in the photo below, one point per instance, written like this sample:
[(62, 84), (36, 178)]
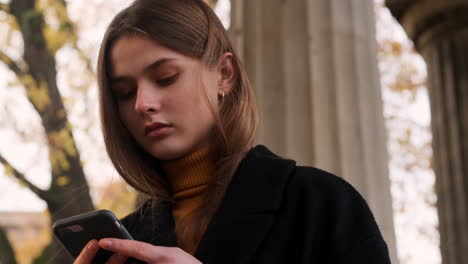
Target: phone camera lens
[(64, 231)]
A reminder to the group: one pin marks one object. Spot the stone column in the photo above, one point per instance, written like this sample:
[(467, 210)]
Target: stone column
[(440, 32), (313, 66)]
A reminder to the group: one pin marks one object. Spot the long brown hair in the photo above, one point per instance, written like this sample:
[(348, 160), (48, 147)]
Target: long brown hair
[(191, 28)]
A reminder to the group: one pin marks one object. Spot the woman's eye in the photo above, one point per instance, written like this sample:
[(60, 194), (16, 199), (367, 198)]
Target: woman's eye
[(122, 96), (167, 81)]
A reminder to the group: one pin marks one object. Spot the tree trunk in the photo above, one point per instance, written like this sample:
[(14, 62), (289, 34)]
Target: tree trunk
[(69, 192)]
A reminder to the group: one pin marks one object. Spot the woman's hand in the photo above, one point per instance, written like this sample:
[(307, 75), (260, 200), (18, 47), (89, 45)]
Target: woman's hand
[(145, 252), (88, 253), (124, 249)]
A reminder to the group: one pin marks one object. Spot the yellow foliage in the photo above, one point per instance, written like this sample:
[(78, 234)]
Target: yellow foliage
[(211, 3), (62, 144), (118, 198), (63, 140), (5, 7), (397, 48), (28, 81), (55, 39), (8, 19), (60, 11), (41, 4), (39, 95), (62, 180), (5, 58), (12, 24), (9, 171), (58, 161), (22, 183)]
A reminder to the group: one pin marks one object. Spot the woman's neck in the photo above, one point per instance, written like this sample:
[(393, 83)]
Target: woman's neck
[(191, 171), (188, 178)]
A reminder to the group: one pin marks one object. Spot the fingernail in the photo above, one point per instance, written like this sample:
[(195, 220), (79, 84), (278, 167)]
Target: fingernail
[(91, 244), (106, 243)]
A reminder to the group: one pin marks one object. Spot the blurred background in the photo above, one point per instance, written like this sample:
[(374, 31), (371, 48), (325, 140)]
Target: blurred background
[(340, 84)]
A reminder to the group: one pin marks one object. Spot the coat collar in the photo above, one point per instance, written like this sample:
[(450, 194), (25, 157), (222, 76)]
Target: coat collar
[(246, 213)]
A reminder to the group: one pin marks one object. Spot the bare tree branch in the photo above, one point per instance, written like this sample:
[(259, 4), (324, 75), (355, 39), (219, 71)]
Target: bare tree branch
[(12, 65), (66, 23), (212, 3), (85, 58), (68, 182), (20, 177)]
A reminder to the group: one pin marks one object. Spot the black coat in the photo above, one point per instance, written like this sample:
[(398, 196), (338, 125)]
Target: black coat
[(277, 212)]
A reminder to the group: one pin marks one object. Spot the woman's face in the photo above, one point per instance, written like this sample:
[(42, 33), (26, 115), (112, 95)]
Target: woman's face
[(160, 96)]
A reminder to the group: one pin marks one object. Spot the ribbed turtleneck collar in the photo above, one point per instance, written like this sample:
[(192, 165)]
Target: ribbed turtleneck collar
[(189, 175)]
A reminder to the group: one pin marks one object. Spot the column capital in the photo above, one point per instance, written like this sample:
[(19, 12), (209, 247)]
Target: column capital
[(429, 20)]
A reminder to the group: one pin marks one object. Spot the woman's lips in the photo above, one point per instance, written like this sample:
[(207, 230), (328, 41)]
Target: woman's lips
[(157, 129)]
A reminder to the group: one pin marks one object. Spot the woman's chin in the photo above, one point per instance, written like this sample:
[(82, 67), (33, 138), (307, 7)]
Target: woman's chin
[(165, 153)]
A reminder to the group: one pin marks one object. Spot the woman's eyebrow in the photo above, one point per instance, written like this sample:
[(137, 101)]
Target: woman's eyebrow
[(155, 65), (151, 67)]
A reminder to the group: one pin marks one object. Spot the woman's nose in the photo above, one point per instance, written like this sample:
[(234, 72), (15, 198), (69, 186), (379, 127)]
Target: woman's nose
[(147, 100)]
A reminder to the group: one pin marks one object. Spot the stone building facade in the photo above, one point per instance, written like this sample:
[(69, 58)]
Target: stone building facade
[(439, 29), (313, 66)]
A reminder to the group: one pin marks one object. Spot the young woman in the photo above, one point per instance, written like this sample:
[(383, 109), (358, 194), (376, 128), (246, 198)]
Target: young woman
[(179, 118)]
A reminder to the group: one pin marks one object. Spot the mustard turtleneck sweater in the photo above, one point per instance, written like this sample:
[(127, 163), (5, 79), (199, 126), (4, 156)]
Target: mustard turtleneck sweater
[(188, 178)]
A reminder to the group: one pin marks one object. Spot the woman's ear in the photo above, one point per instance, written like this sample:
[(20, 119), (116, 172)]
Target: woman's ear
[(227, 73)]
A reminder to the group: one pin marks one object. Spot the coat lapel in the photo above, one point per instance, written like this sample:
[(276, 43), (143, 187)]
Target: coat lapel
[(152, 223), (247, 211)]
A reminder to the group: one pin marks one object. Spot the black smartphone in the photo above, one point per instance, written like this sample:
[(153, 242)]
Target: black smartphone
[(76, 231)]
